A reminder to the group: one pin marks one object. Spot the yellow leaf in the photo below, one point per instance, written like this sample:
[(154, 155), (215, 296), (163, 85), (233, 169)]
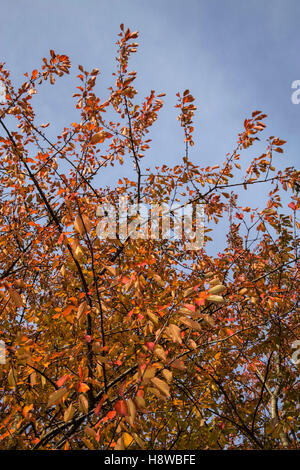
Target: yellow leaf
[(158, 280), (152, 317), (77, 249), (167, 375), (243, 291), (149, 373), (215, 298), (214, 282), (219, 289), (208, 319), (127, 440), (208, 275), (192, 344), (78, 225), (33, 379), (138, 440), (11, 378), (120, 444), (187, 292), (161, 386)]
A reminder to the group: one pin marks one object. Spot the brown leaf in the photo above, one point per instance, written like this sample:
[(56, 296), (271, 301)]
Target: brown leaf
[(83, 403), (16, 298), (218, 289), (131, 411), (190, 323), (162, 386), (174, 332), (56, 396), (215, 298), (81, 310), (167, 375), (69, 413), (178, 364), (82, 224)]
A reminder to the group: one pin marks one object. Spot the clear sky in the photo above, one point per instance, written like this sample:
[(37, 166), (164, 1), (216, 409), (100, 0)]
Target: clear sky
[(235, 56)]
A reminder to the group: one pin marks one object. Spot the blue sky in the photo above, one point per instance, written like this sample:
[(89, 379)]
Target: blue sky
[(235, 56)]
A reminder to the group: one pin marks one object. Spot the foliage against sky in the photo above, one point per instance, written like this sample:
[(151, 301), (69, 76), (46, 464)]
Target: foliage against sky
[(142, 344)]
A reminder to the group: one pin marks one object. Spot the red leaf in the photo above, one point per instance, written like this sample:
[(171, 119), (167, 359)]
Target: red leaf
[(292, 206), (150, 345), (98, 407), (62, 380), (121, 408)]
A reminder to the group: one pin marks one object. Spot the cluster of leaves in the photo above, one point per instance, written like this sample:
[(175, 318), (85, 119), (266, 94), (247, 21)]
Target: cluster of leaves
[(140, 344)]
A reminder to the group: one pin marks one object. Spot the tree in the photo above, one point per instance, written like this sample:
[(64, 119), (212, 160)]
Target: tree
[(141, 343)]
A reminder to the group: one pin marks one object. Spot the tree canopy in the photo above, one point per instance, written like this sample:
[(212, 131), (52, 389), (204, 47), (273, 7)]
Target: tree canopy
[(142, 343)]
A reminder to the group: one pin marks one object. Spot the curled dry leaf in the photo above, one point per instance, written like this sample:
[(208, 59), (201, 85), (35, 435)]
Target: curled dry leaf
[(174, 332), (167, 374), (57, 396), (16, 298), (218, 289), (214, 282), (190, 323), (83, 403), (162, 386), (160, 353), (131, 408), (178, 364), (11, 378), (216, 298), (100, 137), (69, 413)]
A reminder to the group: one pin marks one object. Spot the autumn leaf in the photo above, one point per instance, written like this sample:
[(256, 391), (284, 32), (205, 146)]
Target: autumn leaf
[(16, 298), (82, 387), (69, 413), (57, 396), (83, 403), (190, 323), (174, 333), (121, 408), (100, 137), (161, 386), (95, 330), (219, 289), (215, 298), (82, 224)]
